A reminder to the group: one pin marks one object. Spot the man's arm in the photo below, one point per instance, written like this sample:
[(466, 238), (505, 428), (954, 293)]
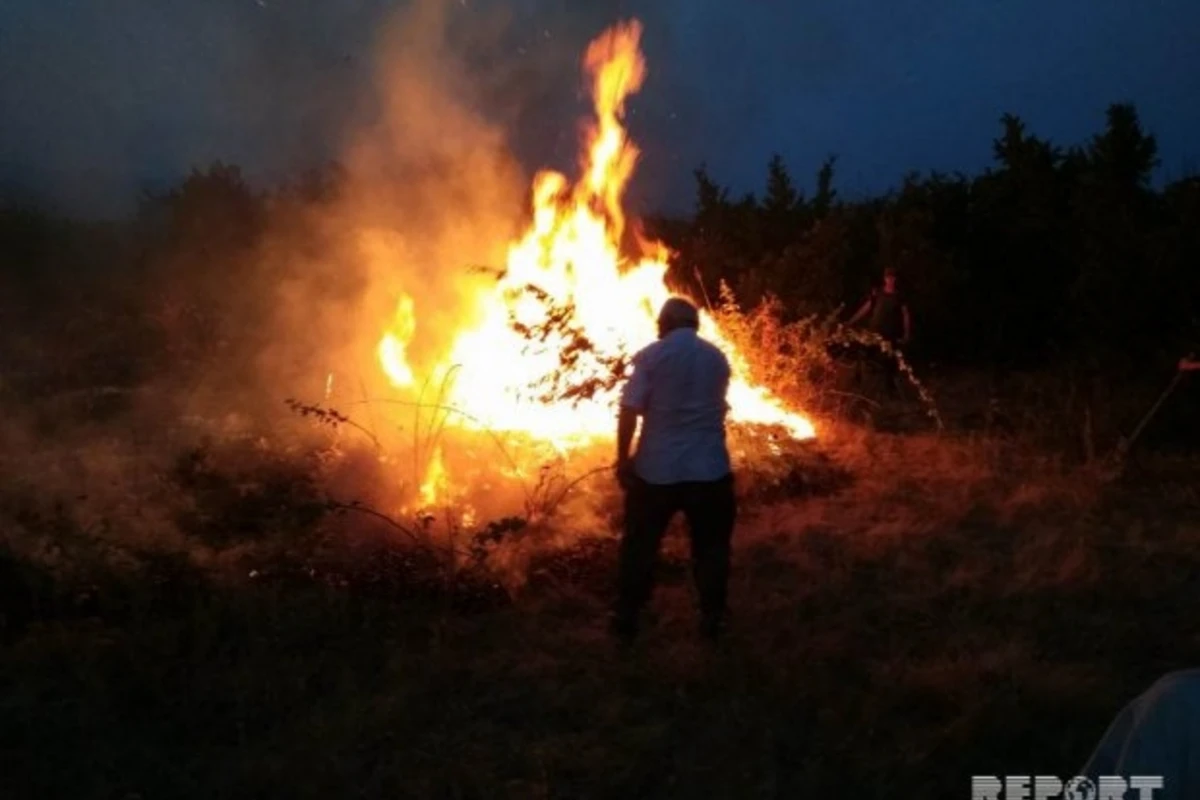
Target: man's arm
[(1189, 364), (634, 397), (863, 310), (626, 427), (907, 322)]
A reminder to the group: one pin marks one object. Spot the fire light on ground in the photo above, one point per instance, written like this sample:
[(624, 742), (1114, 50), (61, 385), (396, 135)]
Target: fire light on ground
[(571, 254)]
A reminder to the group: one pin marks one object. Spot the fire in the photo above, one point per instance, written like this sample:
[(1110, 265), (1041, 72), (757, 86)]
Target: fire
[(571, 254), (435, 480), (393, 344)]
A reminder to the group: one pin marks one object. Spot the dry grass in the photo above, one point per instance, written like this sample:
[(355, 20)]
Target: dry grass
[(184, 614), (909, 610)]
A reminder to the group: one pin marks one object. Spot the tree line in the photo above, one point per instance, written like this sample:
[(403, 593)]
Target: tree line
[(1050, 254)]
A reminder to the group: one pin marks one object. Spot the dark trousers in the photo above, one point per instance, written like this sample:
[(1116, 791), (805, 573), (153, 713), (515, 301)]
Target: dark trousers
[(871, 359), (890, 372), (710, 510)]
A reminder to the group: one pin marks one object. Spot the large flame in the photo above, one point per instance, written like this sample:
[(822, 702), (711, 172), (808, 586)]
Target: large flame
[(571, 254)]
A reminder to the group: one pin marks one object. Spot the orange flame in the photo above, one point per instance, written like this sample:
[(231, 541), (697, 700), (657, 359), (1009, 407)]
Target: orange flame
[(435, 480), (571, 254), (393, 344)]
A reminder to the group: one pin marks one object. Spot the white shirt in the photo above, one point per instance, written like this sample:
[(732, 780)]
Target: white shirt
[(678, 386)]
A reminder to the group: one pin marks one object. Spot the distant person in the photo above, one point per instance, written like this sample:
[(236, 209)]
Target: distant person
[(678, 388), (887, 315)]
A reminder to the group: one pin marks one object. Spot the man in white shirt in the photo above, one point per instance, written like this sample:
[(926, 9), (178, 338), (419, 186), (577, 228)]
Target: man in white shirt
[(678, 388)]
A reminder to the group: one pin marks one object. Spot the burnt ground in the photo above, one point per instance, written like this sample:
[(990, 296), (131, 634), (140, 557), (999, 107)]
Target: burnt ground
[(909, 610)]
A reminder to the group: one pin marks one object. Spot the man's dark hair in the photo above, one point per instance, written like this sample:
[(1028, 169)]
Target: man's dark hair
[(679, 313)]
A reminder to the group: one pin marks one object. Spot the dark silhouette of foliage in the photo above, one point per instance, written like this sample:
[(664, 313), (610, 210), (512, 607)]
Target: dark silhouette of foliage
[(825, 195), (1055, 254), (1051, 255)]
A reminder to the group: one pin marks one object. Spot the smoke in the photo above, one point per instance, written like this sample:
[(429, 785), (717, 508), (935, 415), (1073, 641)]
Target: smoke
[(104, 99), (428, 186), (249, 305)]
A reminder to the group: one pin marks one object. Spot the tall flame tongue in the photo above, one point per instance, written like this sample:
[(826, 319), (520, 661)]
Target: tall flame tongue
[(570, 254)]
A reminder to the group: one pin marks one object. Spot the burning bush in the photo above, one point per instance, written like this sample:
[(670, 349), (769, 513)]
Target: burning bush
[(535, 368)]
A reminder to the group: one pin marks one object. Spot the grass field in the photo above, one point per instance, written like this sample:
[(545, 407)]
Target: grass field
[(951, 605)]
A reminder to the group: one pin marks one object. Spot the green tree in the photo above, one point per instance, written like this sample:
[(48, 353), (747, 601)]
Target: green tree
[(1118, 296), (1019, 262), (781, 207), (825, 195)]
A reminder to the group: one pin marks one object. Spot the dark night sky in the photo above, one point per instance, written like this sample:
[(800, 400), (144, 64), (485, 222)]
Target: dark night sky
[(101, 97)]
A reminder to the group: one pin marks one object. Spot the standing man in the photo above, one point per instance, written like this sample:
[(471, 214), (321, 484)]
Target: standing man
[(889, 319), (678, 388)]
